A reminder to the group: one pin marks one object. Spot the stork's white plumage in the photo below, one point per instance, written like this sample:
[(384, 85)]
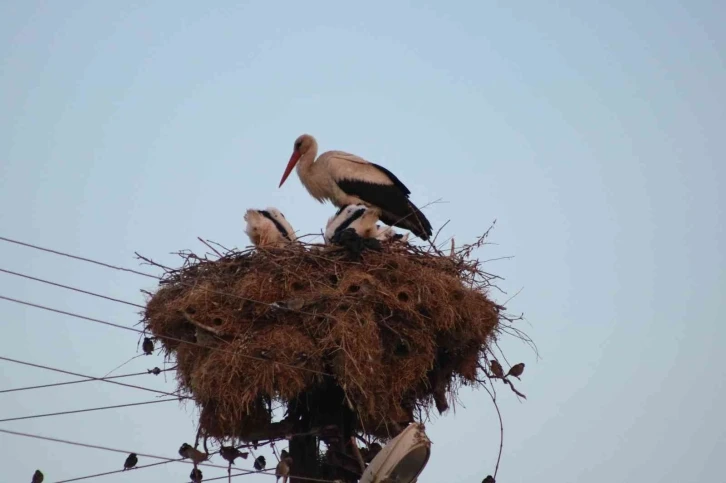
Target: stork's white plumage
[(388, 234), (347, 179), (268, 228), (361, 219)]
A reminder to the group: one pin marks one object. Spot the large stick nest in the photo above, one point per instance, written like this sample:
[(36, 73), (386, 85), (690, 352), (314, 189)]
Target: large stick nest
[(398, 330)]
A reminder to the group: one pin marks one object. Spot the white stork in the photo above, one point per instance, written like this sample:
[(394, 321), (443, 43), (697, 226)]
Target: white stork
[(362, 220), (268, 228), (346, 179)]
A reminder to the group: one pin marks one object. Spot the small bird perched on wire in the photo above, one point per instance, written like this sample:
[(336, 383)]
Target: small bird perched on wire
[(130, 462), (196, 475), (488, 479), (186, 451), (260, 463), (516, 370), (496, 368), (283, 467), (148, 346), (230, 453), (37, 477)]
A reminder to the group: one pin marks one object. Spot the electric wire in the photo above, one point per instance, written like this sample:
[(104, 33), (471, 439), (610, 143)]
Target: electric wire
[(104, 322), (88, 378), (91, 319), (68, 287), (107, 265), (56, 252), (166, 460), (106, 448), (78, 381), (75, 411), (87, 477)]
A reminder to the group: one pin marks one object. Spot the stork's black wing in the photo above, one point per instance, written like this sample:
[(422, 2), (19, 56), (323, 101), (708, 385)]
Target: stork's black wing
[(396, 208)]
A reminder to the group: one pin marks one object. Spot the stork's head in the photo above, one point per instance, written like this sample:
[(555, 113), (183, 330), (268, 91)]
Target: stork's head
[(303, 145)]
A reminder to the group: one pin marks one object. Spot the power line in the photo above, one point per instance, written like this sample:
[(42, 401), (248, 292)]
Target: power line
[(166, 460), (105, 448), (117, 471), (58, 311), (104, 322), (86, 410), (78, 381), (107, 265), (71, 288), (265, 472), (276, 306), (88, 378)]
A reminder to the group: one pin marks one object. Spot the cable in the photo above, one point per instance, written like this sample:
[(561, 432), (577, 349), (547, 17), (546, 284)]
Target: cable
[(161, 278), (117, 471), (87, 410), (264, 472), (71, 288), (89, 378), (78, 258), (91, 319), (166, 460), (105, 448), (30, 304), (28, 388)]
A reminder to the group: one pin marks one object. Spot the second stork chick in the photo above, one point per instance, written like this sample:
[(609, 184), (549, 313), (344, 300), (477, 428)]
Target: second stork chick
[(358, 218), (364, 221), (268, 228)]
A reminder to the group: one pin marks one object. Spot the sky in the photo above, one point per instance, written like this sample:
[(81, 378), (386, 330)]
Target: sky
[(592, 133)]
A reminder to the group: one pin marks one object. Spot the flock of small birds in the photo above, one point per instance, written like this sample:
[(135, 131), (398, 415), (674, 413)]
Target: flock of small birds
[(229, 453), (496, 369)]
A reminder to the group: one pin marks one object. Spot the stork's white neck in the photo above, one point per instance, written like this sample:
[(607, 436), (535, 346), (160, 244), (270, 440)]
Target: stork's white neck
[(313, 175)]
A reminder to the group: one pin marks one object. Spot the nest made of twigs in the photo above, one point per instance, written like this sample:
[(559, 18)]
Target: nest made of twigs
[(395, 331)]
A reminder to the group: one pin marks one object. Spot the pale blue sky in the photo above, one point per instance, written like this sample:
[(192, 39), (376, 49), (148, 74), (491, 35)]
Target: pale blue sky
[(594, 134)]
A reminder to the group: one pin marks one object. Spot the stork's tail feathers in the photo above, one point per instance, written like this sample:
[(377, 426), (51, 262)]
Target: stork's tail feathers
[(414, 221)]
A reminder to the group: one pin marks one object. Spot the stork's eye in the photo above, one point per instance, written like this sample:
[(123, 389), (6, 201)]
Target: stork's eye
[(298, 144)]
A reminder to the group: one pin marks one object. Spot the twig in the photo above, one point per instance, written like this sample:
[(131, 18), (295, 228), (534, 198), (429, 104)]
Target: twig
[(356, 453), (439, 231), (513, 388), (501, 431), (210, 247), (120, 366), (213, 330)]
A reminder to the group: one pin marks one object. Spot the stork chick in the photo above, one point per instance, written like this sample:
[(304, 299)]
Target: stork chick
[(358, 218), (387, 234), (362, 220), (268, 228)]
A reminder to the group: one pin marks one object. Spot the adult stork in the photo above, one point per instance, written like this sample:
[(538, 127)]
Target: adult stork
[(268, 228), (347, 179)]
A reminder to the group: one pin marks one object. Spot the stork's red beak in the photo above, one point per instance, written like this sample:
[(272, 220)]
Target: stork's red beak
[(291, 164)]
